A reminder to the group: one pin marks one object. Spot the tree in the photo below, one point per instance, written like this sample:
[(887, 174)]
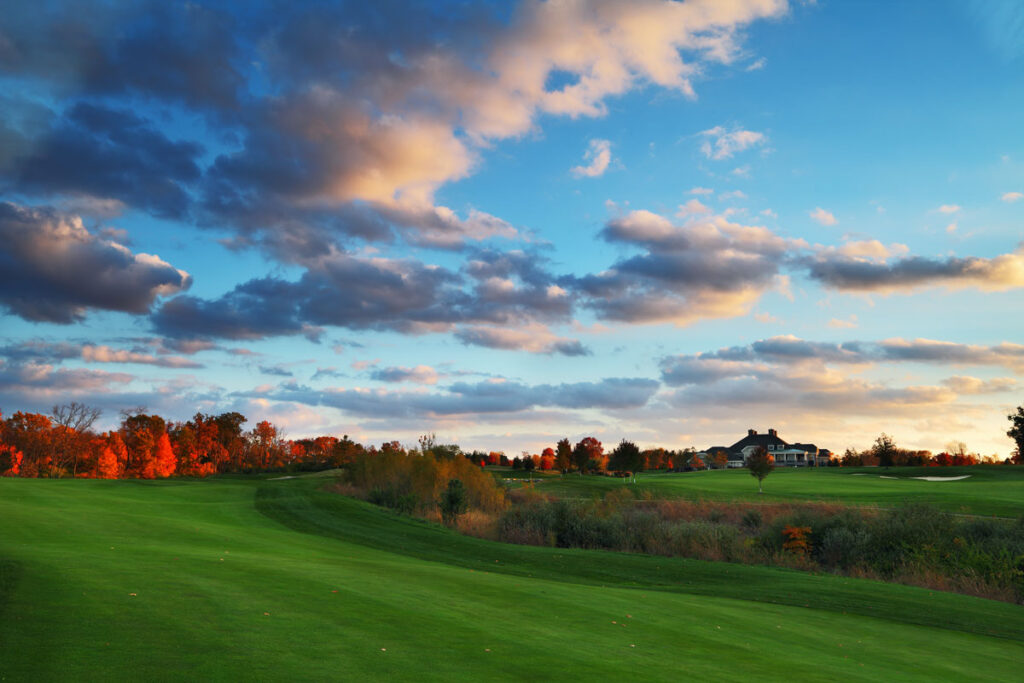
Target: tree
[(1016, 433), (626, 458), (884, 449), (453, 501), (71, 438), (586, 450), (163, 461), (563, 456), (760, 464)]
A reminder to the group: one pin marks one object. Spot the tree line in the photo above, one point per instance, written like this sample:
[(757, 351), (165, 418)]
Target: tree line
[(64, 444)]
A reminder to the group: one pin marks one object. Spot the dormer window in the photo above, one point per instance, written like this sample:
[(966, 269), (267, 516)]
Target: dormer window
[(771, 447)]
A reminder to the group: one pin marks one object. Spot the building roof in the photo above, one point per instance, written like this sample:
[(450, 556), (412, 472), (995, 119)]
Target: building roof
[(754, 439)]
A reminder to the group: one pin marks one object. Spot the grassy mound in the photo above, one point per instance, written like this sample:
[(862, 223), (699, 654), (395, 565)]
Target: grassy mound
[(233, 579)]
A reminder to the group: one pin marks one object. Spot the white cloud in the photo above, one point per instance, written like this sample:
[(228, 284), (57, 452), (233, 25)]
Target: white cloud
[(692, 208), (721, 144), (735, 194), (948, 208), (822, 216), (1011, 197), (836, 323), (757, 65), (701, 190), (599, 154)]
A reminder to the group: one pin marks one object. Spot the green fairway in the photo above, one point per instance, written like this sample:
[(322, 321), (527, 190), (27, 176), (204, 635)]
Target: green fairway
[(277, 580), (988, 490)]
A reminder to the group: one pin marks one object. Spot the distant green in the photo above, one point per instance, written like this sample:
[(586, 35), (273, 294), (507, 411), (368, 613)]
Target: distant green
[(989, 490), (277, 580)]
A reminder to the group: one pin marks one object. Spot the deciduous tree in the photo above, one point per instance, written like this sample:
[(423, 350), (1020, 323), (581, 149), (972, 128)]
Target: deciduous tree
[(760, 464), (1016, 432), (453, 501), (588, 449), (563, 455), (626, 458)]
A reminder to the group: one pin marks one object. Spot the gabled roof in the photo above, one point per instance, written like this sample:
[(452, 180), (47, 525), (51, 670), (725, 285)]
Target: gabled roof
[(762, 440)]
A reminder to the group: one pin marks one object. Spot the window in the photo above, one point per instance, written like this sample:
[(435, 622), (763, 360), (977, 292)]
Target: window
[(771, 447)]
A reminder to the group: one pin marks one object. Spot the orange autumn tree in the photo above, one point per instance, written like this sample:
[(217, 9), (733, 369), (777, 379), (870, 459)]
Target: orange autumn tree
[(30, 434), (162, 462), (10, 461), (108, 466)]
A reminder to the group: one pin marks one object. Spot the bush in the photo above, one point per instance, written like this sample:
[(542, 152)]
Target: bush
[(752, 519)]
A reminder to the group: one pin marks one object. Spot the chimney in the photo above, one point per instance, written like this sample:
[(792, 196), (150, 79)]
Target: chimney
[(772, 432), (751, 432)]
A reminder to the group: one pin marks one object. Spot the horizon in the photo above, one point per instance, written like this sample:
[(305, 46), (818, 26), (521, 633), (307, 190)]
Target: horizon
[(510, 224)]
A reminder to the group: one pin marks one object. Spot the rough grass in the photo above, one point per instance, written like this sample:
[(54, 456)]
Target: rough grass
[(277, 580)]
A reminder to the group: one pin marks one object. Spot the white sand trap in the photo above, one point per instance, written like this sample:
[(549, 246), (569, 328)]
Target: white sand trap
[(964, 476)]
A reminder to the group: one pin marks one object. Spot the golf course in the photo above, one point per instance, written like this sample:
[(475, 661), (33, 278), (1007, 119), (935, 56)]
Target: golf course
[(987, 490), (280, 579)]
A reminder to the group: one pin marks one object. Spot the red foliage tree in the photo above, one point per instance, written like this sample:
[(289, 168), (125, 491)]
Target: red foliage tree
[(108, 465), (162, 462), (10, 461)]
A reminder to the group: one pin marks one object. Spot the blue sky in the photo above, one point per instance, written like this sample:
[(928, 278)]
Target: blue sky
[(507, 224)]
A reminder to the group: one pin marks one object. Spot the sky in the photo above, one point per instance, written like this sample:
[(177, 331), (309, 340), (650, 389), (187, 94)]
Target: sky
[(510, 223)]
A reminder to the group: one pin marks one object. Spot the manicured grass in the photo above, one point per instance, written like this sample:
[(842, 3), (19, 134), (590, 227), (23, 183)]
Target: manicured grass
[(277, 580), (990, 490)]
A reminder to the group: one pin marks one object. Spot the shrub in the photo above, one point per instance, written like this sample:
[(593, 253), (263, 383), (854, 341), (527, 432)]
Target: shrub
[(752, 519)]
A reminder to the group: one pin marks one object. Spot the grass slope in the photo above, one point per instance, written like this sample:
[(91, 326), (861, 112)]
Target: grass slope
[(990, 490), (226, 586)]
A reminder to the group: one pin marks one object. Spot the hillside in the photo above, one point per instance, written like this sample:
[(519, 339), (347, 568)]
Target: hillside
[(243, 579)]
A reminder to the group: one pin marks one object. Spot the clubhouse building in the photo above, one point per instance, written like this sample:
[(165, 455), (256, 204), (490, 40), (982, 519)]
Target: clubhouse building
[(785, 454)]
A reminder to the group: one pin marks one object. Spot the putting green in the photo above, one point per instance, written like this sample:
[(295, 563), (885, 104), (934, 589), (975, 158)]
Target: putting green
[(245, 580)]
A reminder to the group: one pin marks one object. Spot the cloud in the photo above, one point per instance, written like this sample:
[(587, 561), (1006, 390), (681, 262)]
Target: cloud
[(722, 144), (497, 290), (110, 155), (373, 121), (599, 154), (777, 355), (972, 385), (824, 378), (734, 194), (838, 324), (757, 64), (692, 208), (948, 208), (52, 269), (701, 190), (42, 380), (1011, 197), (847, 273), (421, 374), (483, 398), (823, 217), (277, 370), (92, 353), (534, 338), (710, 268)]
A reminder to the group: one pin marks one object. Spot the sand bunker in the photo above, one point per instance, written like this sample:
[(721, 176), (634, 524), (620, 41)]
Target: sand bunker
[(964, 476)]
